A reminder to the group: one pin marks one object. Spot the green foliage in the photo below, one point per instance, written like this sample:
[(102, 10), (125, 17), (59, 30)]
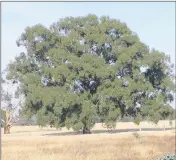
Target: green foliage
[(3, 116), (156, 111), (82, 69), (168, 157)]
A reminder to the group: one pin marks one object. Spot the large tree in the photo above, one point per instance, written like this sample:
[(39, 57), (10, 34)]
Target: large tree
[(82, 69)]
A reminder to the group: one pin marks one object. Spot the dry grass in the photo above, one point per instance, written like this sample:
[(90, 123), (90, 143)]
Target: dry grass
[(32, 143)]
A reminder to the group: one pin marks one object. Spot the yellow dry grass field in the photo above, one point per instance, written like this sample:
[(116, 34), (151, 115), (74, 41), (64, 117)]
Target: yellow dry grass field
[(33, 143)]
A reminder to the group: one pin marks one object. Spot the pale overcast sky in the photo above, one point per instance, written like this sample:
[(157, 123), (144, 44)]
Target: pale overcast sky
[(154, 22)]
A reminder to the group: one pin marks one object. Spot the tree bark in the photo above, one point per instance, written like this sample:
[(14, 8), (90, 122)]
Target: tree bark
[(86, 130), (6, 129)]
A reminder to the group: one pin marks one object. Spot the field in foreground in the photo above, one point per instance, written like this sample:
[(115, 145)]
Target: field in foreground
[(32, 143)]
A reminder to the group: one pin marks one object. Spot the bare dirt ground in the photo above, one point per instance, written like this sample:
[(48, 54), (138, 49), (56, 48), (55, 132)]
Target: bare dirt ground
[(33, 143)]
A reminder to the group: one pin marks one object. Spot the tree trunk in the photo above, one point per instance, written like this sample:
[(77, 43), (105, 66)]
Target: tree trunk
[(6, 129), (86, 130), (140, 129), (7, 122), (164, 127)]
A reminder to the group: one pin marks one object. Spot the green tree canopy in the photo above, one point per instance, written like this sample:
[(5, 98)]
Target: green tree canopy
[(83, 68)]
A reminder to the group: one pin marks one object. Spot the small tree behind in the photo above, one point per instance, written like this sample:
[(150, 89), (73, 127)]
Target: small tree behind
[(9, 107)]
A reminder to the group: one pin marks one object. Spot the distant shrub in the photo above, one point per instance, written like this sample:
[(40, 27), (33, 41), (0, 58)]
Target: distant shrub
[(127, 119), (136, 121), (170, 123), (167, 157), (135, 134)]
